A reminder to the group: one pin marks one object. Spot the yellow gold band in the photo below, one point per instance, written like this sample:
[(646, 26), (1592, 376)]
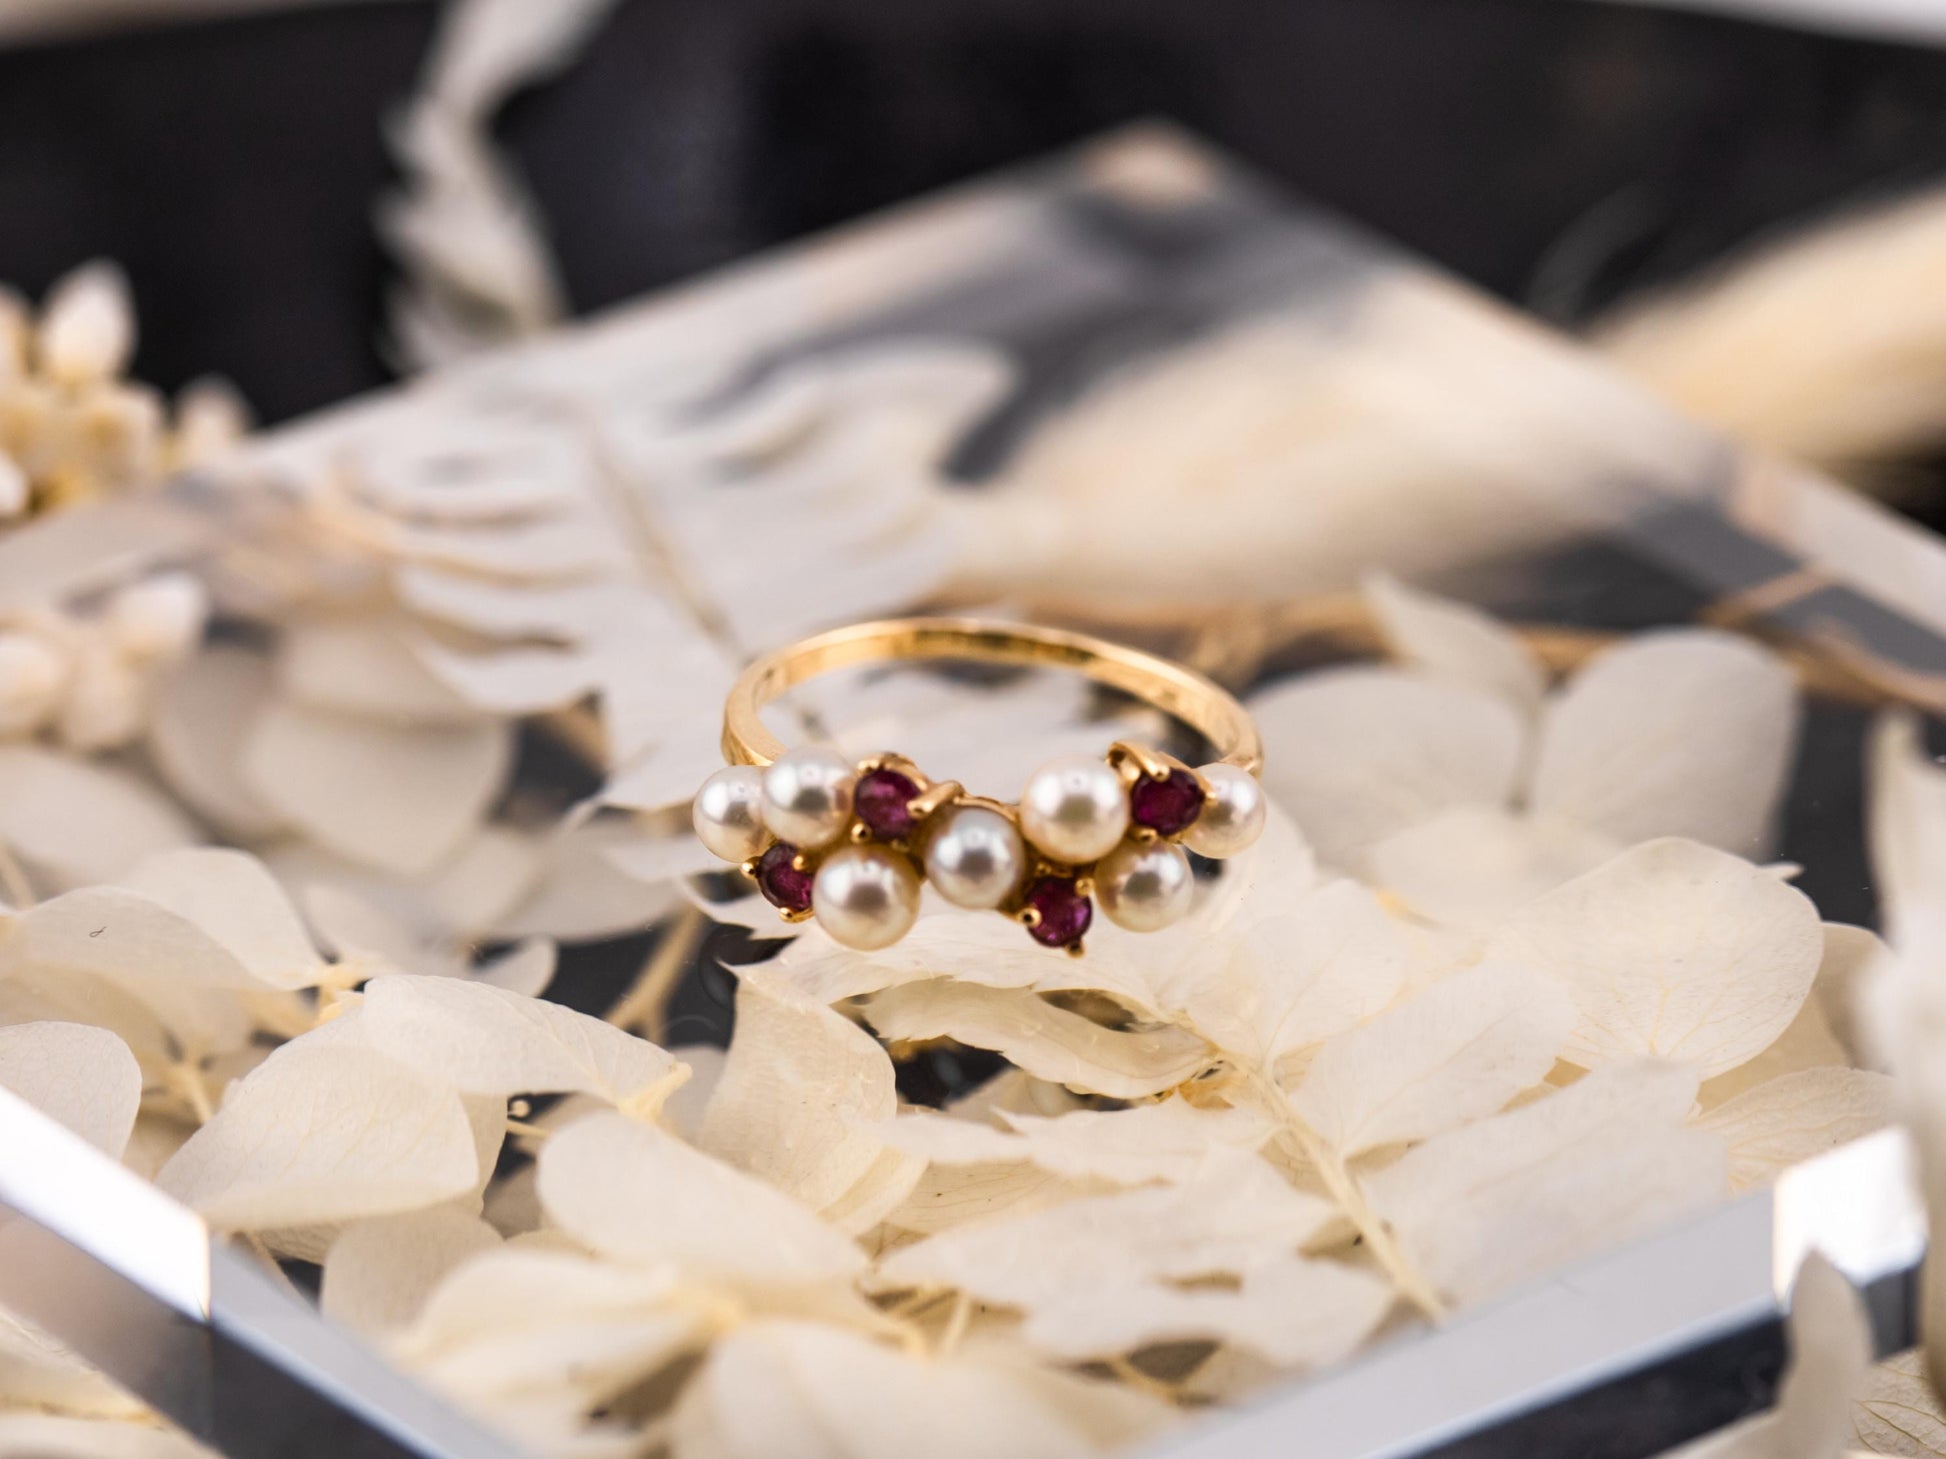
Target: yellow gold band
[(1179, 692)]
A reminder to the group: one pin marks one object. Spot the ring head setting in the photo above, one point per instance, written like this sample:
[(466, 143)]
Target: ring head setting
[(851, 845)]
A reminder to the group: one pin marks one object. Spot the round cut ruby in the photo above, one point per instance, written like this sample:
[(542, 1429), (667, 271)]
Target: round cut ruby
[(781, 882), (884, 803), (1064, 912), (1166, 806)]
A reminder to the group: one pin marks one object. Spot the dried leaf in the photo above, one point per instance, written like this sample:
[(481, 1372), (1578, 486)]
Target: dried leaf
[(952, 1195), (325, 1132), (486, 1040), (1281, 981), (1049, 1042), (1237, 1214), (1796, 1116), (1672, 951), (1456, 642), (53, 1436), (1481, 1207), (1359, 754), (379, 1273), (830, 1394), (1686, 732), (1472, 866), (1166, 1141), (365, 667), (84, 1077), (1456, 1052), (231, 897), (1897, 1412), (798, 1098), (204, 710), (398, 797), (78, 821), (1296, 1313), (602, 1176)]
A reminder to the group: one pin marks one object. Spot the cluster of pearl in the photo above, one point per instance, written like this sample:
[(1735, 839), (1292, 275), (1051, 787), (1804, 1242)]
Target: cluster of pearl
[(850, 843)]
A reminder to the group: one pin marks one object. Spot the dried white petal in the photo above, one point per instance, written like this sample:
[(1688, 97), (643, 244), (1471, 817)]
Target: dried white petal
[(1237, 1214), (397, 797), (379, 1272), (486, 1040), (1281, 981), (798, 1098), (53, 1436), (1796, 1116), (1296, 1313), (830, 1394), (637, 1194), (1897, 1411), (1049, 1042), (1456, 1052), (325, 1132), (1356, 755), (1481, 1207), (82, 822), (1457, 642), (1167, 1141), (1686, 732), (84, 1077), (363, 666), (231, 896), (203, 713), (1470, 867), (1672, 951)]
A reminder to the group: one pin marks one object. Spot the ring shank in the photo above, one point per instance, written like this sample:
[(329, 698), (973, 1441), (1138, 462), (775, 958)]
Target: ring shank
[(1179, 692)]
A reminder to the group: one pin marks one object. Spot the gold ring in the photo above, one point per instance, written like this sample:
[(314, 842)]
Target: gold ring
[(851, 844)]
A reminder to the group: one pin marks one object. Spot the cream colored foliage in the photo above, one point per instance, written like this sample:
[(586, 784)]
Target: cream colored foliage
[(1237, 1214), (833, 1395), (1049, 1042), (1681, 733), (1166, 1141), (1673, 951), (1797, 1116), (397, 797), (637, 1194), (79, 822), (1295, 1313), (1456, 1052), (765, 1118), (325, 1132), (379, 1272), (1456, 642), (480, 1039), (1472, 866), (1282, 979), (84, 1077), (1483, 1206), (1896, 1410), (53, 1436), (234, 899), (1359, 754)]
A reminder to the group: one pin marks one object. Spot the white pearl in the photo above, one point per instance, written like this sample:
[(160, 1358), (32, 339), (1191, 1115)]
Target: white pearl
[(728, 813), (1232, 817), (807, 797), (866, 897), (1074, 809), (977, 860), (1144, 888)]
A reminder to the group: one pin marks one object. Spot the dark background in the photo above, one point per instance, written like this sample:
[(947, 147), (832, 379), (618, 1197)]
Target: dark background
[(1553, 152)]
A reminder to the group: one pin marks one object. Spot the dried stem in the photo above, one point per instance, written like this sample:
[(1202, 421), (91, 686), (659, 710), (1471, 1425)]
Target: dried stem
[(186, 1079), (1344, 1190), (643, 1006)]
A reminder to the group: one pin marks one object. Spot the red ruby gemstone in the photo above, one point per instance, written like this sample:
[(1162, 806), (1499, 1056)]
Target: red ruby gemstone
[(782, 884), (1166, 806), (883, 800), (1065, 913)]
